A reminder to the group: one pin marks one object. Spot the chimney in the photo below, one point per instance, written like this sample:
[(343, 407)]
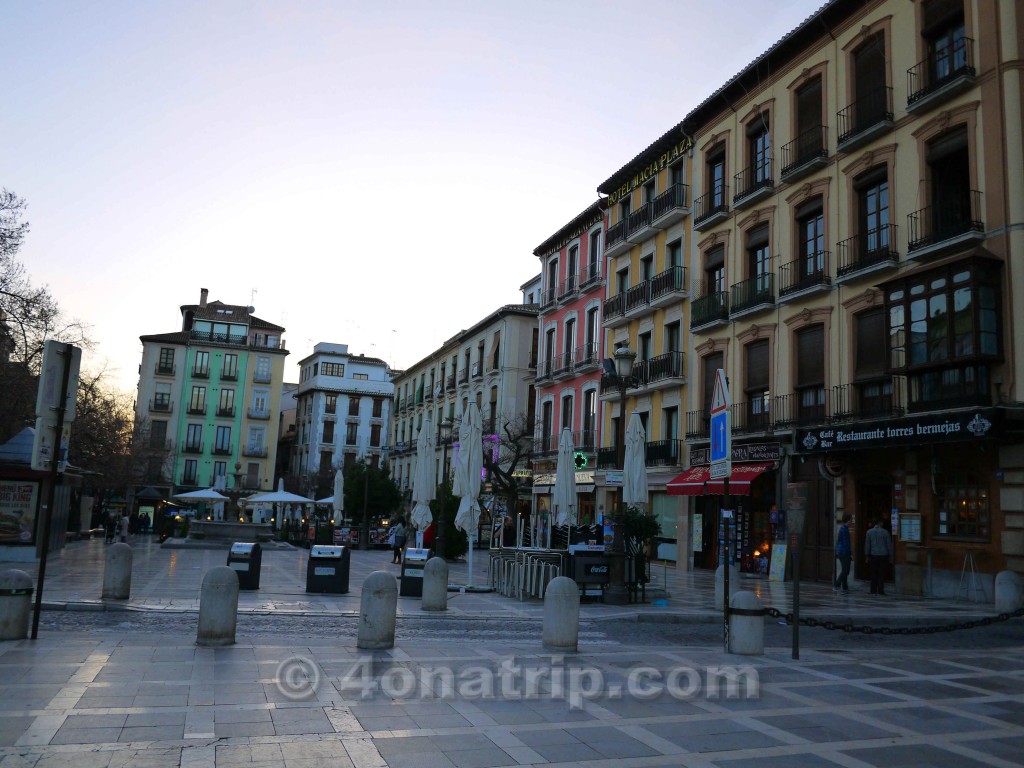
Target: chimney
[(203, 293)]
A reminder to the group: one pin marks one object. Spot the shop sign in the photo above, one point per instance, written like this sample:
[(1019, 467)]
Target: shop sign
[(651, 169), (740, 452), (18, 503), (582, 478), (917, 430)]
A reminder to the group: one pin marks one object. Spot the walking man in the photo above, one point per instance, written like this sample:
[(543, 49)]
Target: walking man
[(844, 552), (878, 548)]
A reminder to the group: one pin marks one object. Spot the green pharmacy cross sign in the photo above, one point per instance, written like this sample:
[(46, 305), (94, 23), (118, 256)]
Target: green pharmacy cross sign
[(579, 460)]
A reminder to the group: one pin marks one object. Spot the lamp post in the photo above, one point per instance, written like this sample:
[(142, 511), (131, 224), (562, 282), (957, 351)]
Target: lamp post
[(366, 499), (616, 593), (444, 434)]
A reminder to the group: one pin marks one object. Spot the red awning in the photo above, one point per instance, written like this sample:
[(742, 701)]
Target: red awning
[(739, 481), (690, 483)]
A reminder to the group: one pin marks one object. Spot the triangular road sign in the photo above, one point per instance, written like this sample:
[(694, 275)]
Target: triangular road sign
[(720, 400)]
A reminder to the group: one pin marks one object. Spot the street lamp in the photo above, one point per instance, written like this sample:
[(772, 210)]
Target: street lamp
[(444, 434), (366, 498), (616, 593)]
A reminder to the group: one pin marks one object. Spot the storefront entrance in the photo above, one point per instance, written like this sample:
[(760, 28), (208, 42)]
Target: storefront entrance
[(817, 558), (874, 500)]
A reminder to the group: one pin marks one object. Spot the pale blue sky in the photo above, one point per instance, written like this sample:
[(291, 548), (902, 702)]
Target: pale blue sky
[(379, 172)]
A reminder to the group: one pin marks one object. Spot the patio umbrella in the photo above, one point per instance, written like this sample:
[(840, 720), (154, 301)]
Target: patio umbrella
[(149, 493), (634, 473), (280, 496), (424, 483), (338, 498), (563, 499), (467, 476), (208, 494)]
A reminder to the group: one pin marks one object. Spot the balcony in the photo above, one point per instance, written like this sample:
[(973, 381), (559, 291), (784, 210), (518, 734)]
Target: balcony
[(226, 412), (449, 384), (567, 289), (944, 74), (197, 409), (954, 385), (548, 298), (585, 440), (698, 425), (613, 311), (638, 224), (946, 226), (670, 206), (884, 397), (710, 209), (201, 373), (752, 295), (807, 407), (610, 382), (544, 370), (751, 416), (261, 377), (665, 370), (591, 276), (262, 414), (545, 445), (192, 447), (668, 287), (637, 298), (607, 458), (874, 252), (805, 154), (231, 375), (187, 479), (754, 183), (587, 358), (478, 370), (223, 450), (209, 337), (664, 453), (709, 311), (808, 274), (160, 405), (562, 366), (255, 451), (615, 239), (164, 369), (865, 119), (463, 377)]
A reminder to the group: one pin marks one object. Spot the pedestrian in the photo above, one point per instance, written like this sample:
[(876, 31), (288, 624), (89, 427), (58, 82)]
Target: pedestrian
[(844, 552), (111, 527), (124, 529), (399, 542), (878, 548)]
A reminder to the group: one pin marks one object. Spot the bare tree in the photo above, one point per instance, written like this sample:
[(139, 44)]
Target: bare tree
[(152, 455), (101, 436), (514, 447)]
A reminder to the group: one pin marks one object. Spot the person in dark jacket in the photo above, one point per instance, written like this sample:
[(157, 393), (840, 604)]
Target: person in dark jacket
[(844, 553), (878, 548)]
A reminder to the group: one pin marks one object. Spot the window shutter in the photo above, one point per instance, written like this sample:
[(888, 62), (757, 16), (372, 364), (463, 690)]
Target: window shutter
[(757, 366), (811, 356), (870, 344), (711, 365)]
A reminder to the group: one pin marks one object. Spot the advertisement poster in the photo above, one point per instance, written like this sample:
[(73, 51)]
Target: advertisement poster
[(18, 502)]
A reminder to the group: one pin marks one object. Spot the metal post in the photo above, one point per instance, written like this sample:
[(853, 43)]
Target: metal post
[(51, 494), (616, 592), (366, 497), (726, 566), (795, 544)]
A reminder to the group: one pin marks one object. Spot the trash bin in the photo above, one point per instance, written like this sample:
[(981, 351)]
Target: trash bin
[(245, 559), (413, 563), (327, 569)]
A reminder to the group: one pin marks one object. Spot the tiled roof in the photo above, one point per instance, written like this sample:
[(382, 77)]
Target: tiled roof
[(218, 310), (586, 218), (178, 337)]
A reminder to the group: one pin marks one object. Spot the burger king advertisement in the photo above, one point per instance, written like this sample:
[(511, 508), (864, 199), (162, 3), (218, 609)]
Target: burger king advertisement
[(18, 502)]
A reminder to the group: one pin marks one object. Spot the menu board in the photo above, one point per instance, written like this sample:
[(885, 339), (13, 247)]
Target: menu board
[(778, 566), (910, 528)]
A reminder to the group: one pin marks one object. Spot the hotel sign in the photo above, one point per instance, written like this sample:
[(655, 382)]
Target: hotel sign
[(918, 430), (651, 170)]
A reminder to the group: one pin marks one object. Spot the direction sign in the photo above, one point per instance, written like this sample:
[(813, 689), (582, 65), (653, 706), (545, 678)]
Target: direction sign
[(721, 429)]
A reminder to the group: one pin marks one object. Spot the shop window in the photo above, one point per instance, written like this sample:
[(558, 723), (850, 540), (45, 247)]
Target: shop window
[(962, 507)]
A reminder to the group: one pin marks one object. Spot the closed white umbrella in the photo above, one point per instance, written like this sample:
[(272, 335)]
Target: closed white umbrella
[(424, 483), (467, 477), (338, 499), (563, 499), (634, 473)]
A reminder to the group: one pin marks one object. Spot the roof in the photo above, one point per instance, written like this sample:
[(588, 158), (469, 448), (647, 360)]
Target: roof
[(664, 143), (582, 221), (178, 337), (219, 311)]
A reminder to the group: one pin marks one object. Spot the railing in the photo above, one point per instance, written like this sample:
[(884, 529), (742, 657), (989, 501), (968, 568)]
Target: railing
[(567, 287), (219, 338), (255, 451), (231, 375), (953, 386), (673, 198), (866, 112), (197, 409), (672, 280), (945, 220), (940, 69), (616, 234), (708, 205), (754, 177), (545, 445), (201, 373), (587, 354), (226, 411), (615, 306), (188, 478), (428, 394), (664, 453), (808, 406), (464, 376), (809, 271), (544, 369), (751, 416), (810, 145), (607, 458), (261, 378), (883, 397), (876, 247), (192, 447), (698, 425), (263, 413), (548, 297), (590, 274), (562, 364), (584, 440), (709, 308), (164, 370), (223, 450), (670, 365), (638, 219), (450, 382), (161, 406), (753, 292), (638, 296)]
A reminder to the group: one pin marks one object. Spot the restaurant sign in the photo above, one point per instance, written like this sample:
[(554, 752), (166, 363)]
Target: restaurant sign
[(740, 452), (917, 430)]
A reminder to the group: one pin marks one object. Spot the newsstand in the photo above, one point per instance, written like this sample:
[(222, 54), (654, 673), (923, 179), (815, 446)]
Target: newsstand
[(413, 563), (327, 569), (245, 559)]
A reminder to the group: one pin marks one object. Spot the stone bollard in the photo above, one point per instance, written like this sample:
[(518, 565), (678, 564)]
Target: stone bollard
[(746, 624), (1008, 592), (218, 607), (734, 584), (435, 585), (377, 607), (117, 572), (562, 615), (15, 604)]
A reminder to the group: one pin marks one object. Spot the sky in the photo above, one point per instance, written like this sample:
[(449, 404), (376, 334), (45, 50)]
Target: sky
[(375, 174)]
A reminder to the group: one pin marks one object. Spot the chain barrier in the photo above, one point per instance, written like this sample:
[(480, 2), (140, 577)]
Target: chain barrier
[(868, 630)]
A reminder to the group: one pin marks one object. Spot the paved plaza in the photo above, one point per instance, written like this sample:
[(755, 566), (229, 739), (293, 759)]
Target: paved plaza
[(133, 689)]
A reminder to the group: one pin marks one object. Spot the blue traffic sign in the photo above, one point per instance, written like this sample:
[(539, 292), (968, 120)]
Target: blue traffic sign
[(720, 448)]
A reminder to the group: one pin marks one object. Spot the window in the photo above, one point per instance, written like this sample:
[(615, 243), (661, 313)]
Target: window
[(572, 269), (962, 506), (188, 477), (552, 281), (570, 340), (496, 352), (567, 412), (375, 434), (589, 418), (810, 221), (759, 262), (350, 433), (670, 420), (714, 270), (808, 121), (672, 337), (162, 397), (378, 407), (202, 366), (331, 406), (220, 470), (674, 254), (949, 185), (676, 175), (592, 332), (643, 341), (870, 93), (332, 369), (262, 371), (711, 363), (756, 389), (625, 207), (759, 149), (158, 435), (257, 439), (872, 189), (943, 30), (223, 441), (810, 373), (328, 432), (194, 438), (549, 348), (594, 254), (547, 426), (197, 402), (230, 367), (353, 405), (227, 402), (873, 386), (252, 474), (360, 376), (166, 364), (716, 178)]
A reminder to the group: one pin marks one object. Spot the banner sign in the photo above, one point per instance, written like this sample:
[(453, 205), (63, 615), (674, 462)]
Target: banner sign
[(917, 430), (740, 452), (18, 504)]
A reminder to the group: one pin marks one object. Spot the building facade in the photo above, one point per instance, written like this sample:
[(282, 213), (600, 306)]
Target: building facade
[(569, 369), (208, 401), (342, 412), (857, 227)]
